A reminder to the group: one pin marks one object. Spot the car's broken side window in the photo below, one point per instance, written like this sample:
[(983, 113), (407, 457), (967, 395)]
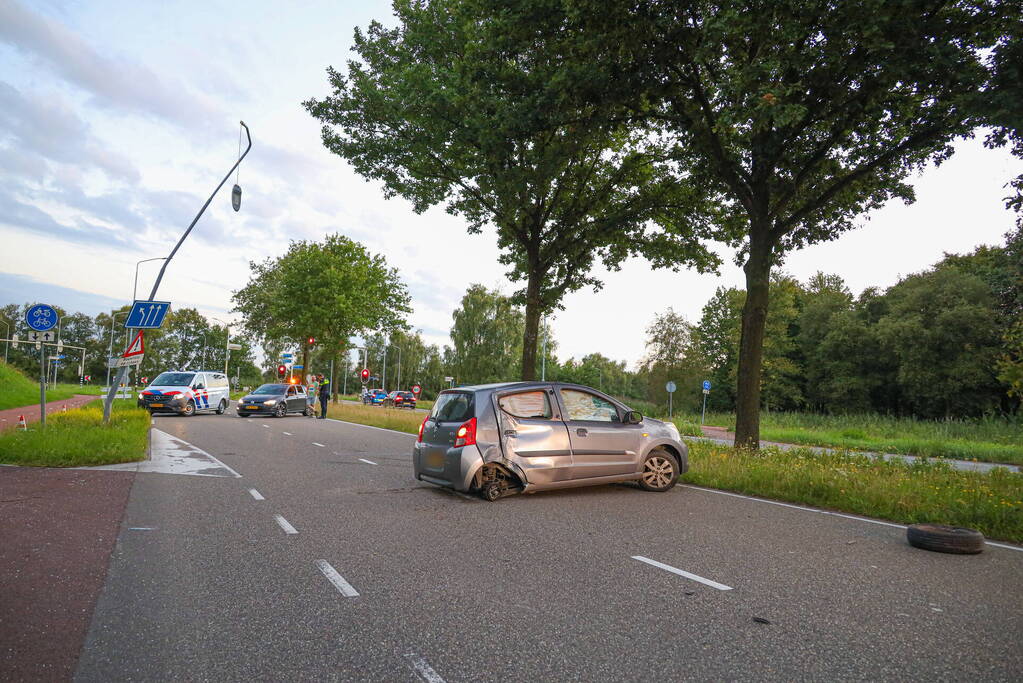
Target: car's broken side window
[(584, 406), (527, 405)]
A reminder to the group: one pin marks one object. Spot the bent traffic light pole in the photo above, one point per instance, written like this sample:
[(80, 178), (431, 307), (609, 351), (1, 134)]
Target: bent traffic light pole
[(156, 285)]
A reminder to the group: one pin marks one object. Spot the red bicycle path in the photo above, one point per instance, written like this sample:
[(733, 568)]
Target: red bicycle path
[(9, 417), (58, 528)]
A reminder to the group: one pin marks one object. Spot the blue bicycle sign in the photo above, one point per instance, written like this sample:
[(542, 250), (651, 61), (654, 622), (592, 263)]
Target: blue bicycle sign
[(41, 317)]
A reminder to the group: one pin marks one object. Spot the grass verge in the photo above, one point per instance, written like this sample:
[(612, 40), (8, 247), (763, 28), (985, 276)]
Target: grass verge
[(79, 437), (926, 491), (388, 418), (17, 390)]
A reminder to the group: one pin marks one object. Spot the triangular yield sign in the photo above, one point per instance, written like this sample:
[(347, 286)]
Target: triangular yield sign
[(137, 347)]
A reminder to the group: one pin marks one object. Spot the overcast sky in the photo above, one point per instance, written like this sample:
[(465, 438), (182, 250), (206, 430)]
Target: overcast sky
[(117, 120)]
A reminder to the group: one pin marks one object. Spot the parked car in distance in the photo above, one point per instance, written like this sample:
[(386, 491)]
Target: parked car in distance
[(374, 397), (187, 393), (401, 399), (530, 436), (278, 400)]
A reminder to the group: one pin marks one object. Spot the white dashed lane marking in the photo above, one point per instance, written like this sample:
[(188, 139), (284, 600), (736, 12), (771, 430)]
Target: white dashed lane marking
[(423, 669), (370, 462), (284, 524), (256, 494), (674, 570), (319, 444), (286, 433), (339, 582)]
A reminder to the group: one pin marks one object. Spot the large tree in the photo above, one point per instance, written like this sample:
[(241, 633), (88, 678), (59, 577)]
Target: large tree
[(463, 104), (794, 117), (328, 291), (486, 338)]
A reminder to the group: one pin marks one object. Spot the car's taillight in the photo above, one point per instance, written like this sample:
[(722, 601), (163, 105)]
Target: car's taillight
[(421, 426), (466, 434)]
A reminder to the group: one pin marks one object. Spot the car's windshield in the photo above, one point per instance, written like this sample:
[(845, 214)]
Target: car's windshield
[(173, 379), (271, 389), (452, 406)]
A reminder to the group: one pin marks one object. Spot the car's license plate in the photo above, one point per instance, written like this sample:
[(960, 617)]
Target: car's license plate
[(435, 460), (251, 407), (156, 405)]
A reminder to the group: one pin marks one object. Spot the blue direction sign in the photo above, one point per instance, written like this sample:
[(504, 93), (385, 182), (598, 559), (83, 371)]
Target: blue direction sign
[(147, 315), (299, 367), (41, 317), (706, 385)]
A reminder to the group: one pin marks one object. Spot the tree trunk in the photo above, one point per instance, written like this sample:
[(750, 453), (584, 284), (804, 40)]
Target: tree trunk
[(751, 344), (531, 334), (305, 365)]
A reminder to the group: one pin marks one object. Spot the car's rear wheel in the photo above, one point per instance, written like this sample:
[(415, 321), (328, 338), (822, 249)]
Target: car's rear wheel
[(660, 471), (222, 408), (189, 410), (281, 410)]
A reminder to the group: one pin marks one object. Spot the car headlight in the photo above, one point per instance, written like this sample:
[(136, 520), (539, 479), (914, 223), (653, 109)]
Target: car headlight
[(270, 402)]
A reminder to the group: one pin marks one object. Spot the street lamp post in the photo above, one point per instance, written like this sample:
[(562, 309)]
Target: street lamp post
[(156, 285), (227, 341), (7, 336), (113, 317), (135, 289), (202, 359)]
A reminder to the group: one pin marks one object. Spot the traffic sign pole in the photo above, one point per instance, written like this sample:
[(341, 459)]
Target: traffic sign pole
[(41, 318), (706, 392)]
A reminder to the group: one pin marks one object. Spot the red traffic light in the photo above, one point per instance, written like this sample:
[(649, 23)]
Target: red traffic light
[(282, 370), (365, 374), (311, 340)]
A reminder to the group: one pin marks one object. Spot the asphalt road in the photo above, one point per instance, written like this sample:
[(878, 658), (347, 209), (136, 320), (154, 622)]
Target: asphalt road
[(206, 583)]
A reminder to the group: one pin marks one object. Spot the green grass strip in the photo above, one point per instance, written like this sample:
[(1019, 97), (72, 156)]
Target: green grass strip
[(926, 491), (79, 437), (17, 390), (959, 449)]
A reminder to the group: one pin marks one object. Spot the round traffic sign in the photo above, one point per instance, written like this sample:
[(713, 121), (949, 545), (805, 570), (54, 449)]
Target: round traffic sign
[(416, 389), (41, 317), (706, 385), (670, 386)]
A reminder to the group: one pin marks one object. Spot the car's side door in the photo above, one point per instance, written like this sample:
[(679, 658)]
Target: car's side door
[(602, 445), (292, 399), (200, 392), (533, 434)]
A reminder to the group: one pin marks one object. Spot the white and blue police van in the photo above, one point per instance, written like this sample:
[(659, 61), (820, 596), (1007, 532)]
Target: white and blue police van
[(187, 392)]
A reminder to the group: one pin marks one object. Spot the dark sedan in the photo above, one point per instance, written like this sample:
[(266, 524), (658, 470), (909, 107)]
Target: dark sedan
[(275, 399), (401, 399)]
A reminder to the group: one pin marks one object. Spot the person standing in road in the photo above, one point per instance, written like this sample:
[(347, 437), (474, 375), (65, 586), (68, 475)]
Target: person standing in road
[(311, 395), (324, 396)]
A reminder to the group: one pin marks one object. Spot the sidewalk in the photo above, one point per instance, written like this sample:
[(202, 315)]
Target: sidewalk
[(9, 418), (722, 436)]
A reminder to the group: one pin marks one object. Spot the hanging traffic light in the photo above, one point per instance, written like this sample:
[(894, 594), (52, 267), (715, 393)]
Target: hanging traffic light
[(365, 375), (282, 370)]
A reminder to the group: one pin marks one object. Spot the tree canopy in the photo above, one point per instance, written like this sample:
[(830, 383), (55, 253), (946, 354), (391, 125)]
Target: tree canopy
[(329, 290), (463, 104), (792, 118)]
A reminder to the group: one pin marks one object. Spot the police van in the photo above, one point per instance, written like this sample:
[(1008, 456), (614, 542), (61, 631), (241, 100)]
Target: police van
[(188, 392)]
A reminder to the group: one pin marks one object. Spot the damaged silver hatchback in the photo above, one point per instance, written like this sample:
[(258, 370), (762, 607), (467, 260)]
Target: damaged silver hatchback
[(499, 439)]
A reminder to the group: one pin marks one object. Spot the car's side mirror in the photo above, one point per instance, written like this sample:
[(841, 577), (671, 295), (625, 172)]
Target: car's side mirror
[(200, 386), (633, 417)]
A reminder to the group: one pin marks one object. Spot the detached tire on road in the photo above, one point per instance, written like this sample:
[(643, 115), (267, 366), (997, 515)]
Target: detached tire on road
[(945, 539)]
